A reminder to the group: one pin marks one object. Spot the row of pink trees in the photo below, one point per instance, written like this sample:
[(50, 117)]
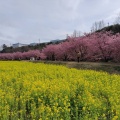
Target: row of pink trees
[(98, 46), (22, 56)]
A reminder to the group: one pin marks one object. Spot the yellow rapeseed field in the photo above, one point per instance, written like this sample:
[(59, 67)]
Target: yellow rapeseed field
[(30, 91)]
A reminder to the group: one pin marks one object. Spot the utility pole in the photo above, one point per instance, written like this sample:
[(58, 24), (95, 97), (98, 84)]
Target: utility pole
[(39, 41), (66, 36)]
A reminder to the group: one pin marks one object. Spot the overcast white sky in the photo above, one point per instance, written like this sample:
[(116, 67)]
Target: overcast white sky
[(27, 21)]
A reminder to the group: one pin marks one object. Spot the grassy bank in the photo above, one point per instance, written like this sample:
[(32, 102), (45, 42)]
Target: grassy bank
[(112, 68)]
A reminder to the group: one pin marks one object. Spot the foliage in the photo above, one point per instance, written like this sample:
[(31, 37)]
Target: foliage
[(45, 92), (113, 28)]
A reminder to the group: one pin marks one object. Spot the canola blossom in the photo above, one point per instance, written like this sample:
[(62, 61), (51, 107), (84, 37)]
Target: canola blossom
[(30, 91)]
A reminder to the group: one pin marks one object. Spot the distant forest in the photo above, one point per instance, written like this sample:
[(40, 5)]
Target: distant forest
[(39, 46)]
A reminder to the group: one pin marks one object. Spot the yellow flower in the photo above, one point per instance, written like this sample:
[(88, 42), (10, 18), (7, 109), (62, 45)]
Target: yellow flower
[(83, 108)]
